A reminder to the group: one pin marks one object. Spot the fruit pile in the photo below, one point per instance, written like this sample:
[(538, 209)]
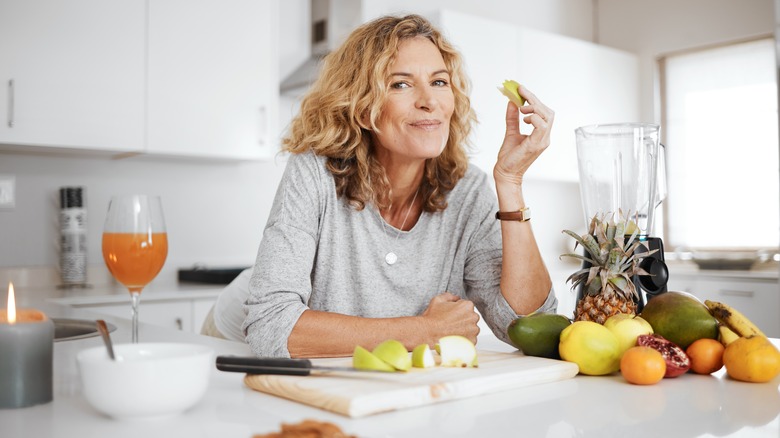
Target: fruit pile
[(391, 355), (674, 334), (682, 333)]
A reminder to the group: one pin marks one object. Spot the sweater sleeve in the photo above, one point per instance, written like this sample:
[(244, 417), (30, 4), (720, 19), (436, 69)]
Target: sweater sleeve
[(280, 286)]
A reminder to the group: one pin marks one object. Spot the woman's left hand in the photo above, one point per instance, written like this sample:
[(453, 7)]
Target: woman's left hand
[(519, 150)]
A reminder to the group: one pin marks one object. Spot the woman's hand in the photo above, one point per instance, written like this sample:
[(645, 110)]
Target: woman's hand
[(447, 314), (518, 150)]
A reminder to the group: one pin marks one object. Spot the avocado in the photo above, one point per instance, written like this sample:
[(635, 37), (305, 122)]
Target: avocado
[(538, 334)]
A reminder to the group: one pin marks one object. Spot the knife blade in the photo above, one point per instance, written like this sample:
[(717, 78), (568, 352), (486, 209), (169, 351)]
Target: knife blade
[(280, 366)]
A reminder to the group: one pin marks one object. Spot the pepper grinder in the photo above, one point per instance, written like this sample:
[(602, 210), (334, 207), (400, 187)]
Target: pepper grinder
[(73, 237)]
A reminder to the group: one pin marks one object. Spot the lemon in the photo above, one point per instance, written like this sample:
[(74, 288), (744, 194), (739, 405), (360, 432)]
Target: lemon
[(363, 359), (593, 347), (394, 354), (627, 327), (422, 357)]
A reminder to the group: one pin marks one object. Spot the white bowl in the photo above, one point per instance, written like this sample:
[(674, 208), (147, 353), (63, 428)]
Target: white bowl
[(146, 380)]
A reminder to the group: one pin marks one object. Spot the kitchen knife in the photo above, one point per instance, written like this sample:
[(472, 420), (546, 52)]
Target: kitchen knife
[(281, 366)]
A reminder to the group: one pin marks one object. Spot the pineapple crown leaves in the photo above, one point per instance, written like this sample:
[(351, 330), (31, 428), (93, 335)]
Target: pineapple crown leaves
[(612, 257)]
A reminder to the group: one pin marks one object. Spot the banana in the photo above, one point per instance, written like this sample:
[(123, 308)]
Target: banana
[(727, 335), (733, 318)]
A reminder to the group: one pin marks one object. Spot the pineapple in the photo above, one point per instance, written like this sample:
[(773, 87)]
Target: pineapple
[(607, 285)]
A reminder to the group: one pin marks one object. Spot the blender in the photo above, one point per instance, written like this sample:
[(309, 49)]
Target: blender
[(621, 169)]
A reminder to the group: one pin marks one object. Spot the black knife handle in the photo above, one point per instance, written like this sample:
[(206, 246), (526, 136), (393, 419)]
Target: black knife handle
[(264, 365)]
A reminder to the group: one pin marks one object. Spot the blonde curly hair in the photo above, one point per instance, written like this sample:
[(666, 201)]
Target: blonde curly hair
[(341, 109)]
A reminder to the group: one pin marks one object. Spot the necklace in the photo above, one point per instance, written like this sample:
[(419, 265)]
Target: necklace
[(390, 257)]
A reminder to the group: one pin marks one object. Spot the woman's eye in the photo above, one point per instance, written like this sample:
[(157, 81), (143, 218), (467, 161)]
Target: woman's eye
[(440, 83), (399, 85)]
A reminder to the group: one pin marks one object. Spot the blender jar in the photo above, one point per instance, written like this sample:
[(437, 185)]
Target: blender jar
[(619, 168)]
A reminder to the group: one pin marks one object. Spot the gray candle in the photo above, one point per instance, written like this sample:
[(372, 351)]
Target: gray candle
[(26, 347)]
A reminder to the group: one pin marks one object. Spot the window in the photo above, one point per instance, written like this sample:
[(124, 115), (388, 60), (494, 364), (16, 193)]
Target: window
[(721, 137)]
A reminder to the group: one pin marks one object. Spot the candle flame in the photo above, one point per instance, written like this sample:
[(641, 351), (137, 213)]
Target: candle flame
[(11, 304)]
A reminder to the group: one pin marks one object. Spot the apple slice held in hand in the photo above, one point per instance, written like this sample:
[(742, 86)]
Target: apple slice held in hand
[(457, 351), (363, 359), (510, 89)]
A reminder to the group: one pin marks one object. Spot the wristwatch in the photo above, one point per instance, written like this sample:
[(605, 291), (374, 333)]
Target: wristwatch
[(521, 216)]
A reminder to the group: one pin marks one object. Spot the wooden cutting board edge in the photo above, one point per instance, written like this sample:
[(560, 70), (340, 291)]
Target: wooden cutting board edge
[(406, 396)]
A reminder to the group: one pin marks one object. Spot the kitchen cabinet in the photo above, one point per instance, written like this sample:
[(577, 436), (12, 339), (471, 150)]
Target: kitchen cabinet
[(584, 83), (212, 78), (184, 314), (758, 298), (163, 77), (72, 74)]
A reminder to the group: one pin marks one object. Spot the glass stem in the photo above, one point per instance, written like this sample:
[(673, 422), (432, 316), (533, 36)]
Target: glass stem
[(135, 296)]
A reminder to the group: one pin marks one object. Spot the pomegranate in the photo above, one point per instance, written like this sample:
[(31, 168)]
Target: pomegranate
[(677, 362)]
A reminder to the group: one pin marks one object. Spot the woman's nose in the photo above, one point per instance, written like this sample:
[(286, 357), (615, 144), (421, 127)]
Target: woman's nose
[(426, 99)]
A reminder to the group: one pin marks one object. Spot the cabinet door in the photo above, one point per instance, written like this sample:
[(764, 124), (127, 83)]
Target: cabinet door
[(72, 74), (584, 83), (173, 314), (758, 300), (213, 80)]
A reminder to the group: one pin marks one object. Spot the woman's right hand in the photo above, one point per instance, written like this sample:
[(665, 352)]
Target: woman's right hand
[(447, 314)]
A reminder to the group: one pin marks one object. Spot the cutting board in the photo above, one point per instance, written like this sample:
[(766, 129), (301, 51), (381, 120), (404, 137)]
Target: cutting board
[(361, 394)]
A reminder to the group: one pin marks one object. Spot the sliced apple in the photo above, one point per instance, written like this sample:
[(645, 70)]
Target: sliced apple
[(510, 89), (363, 359), (422, 357), (394, 354), (457, 351)]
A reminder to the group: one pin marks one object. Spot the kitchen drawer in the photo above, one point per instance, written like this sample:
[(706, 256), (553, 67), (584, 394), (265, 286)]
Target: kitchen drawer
[(169, 314)]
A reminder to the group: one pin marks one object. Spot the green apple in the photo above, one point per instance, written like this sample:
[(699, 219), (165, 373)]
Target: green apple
[(627, 327), (457, 351), (394, 354), (510, 89), (363, 359), (422, 357)]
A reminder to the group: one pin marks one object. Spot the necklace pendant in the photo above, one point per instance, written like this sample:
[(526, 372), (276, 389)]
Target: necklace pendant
[(391, 258)]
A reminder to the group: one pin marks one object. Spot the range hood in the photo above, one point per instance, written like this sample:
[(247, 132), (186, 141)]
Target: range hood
[(331, 21)]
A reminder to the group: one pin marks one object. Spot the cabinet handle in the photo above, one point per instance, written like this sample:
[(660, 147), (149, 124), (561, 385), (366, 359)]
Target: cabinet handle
[(179, 324), (737, 293), (10, 103)]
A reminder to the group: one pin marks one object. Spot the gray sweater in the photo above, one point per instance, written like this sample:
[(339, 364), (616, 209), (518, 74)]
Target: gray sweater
[(318, 252)]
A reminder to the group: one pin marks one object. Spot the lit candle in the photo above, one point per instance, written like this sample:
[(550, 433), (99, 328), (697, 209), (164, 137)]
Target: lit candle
[(26, 347)]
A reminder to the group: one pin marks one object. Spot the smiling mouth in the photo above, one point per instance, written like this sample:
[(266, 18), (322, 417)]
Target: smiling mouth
[(427, 124)]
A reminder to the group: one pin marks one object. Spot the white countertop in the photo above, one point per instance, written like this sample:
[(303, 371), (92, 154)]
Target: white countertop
[(689, 406)]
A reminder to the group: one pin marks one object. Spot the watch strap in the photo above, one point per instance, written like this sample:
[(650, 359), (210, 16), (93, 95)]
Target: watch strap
[(522, 215)]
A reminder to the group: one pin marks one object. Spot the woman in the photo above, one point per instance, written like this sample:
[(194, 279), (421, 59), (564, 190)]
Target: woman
[(380, 229)]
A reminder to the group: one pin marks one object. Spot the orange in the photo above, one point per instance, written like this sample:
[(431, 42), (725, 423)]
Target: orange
[(706, 355), (642, 366), (752, 359)]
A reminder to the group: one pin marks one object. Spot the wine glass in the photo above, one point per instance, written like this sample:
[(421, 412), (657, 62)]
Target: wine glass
[(135, 244)]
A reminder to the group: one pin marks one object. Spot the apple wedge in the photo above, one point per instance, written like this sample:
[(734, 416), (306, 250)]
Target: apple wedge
[(363, 359), (457, 351), (422, 357), (394, 354), (510, 89)]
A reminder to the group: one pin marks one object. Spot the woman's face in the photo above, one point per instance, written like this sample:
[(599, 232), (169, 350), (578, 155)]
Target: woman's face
[(415, 119)]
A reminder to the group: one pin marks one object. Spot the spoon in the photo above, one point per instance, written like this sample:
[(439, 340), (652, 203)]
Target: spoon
[(103, 329)]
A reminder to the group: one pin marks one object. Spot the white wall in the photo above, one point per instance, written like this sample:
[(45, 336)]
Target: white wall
[(654, 28)]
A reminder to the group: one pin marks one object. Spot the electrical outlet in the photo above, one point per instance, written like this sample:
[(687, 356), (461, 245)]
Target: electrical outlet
[(7, 191)]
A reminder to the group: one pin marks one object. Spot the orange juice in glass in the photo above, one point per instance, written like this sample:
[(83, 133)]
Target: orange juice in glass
[(135, 244)]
